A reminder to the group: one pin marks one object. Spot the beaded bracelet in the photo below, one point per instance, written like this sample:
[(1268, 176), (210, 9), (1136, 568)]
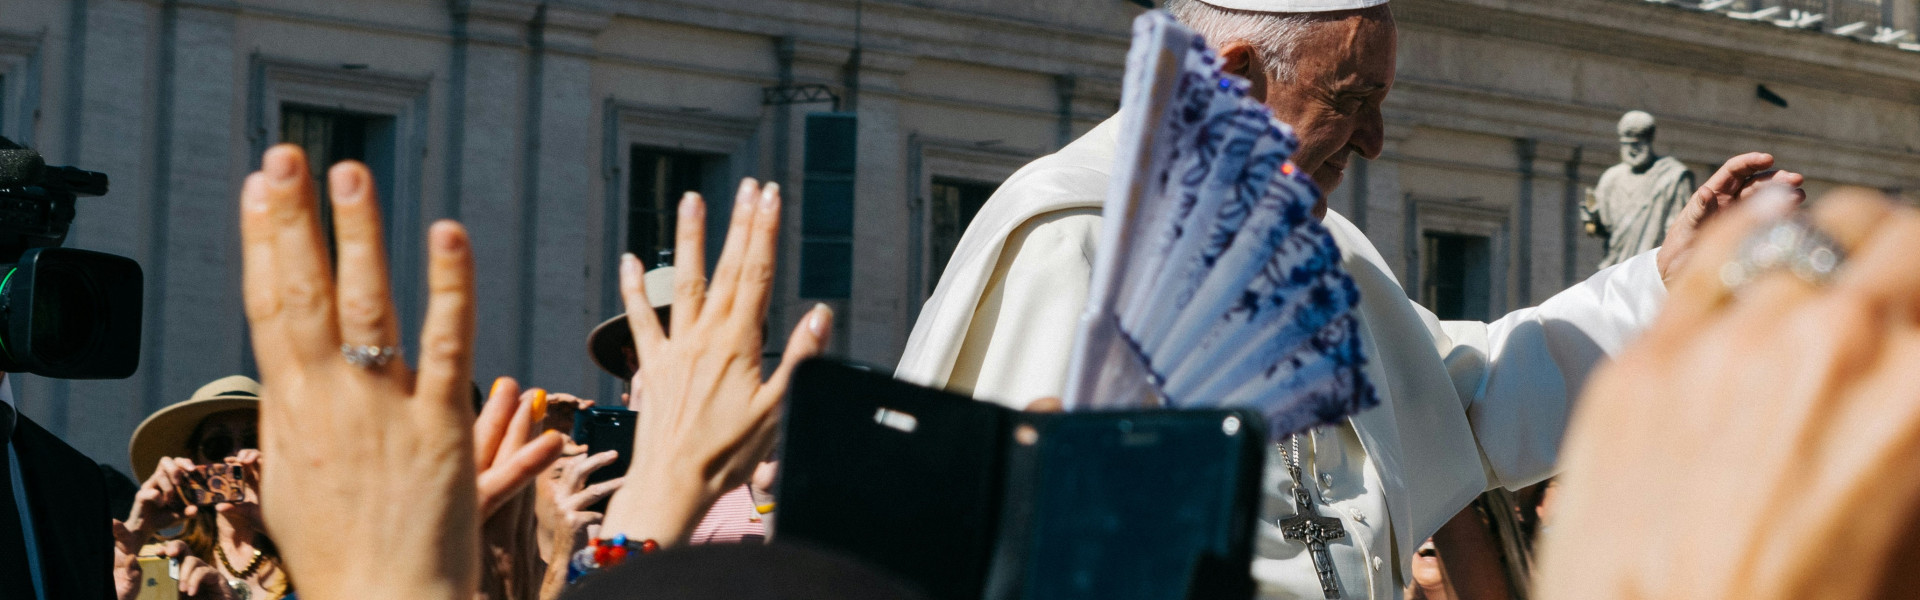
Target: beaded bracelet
[(605, 553)]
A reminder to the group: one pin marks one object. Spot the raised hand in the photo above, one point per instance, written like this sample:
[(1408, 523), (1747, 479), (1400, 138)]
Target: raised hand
[(510, 448), (1738, 180), (706, 415), (1755, 443), (374, 462)]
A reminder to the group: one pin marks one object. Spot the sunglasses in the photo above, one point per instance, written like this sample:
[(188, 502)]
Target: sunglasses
[(222, 444)]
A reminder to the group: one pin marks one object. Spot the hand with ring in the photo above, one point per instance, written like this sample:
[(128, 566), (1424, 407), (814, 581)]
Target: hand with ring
[(1756, 443), (374, 441), (1737, 181)]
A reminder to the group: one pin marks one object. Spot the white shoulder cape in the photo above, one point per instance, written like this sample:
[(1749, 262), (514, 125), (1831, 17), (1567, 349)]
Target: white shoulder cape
[(1465, 405)]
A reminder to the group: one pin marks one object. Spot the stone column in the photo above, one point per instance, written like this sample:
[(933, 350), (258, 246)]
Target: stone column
[(876, 316), (109, 113), (1556, 216), (196, 321), (559, 176), (1906, 15), (485, 170), (1386, 206)]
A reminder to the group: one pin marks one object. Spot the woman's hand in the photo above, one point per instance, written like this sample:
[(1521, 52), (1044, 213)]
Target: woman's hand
[(706, 416), (158, 504), (571, 518), (198, 579), (1756, 445), (572, 499), (510, 449), (375, 461)]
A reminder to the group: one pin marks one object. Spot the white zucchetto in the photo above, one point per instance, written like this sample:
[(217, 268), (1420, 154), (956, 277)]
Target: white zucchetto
[(1295, 6)]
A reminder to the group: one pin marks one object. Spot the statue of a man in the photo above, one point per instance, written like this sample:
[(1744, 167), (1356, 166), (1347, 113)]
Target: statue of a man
[(1637, 199)]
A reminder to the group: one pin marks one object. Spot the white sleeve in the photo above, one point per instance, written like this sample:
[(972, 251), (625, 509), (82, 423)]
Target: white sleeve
[(1521, 374), (1021, 337)]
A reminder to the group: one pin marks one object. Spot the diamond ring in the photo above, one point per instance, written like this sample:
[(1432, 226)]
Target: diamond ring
[(1791, 244), (367, 357)]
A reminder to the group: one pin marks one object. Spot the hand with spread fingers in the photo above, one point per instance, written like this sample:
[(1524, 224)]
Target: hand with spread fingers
[(1757, 441), (1739, 179), (510, 444), (572, 500), (352, 430), (708, 416)]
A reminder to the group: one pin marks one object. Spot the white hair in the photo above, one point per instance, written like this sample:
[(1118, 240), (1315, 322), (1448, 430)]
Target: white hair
[(1274, 35)]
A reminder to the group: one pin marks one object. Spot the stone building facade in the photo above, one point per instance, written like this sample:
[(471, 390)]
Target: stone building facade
[(560, 130)]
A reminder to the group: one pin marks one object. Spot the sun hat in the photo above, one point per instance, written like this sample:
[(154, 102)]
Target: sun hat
[(607, 340), (165, 432)]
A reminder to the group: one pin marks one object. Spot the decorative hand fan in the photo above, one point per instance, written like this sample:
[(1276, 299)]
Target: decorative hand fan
[(1215, 286)]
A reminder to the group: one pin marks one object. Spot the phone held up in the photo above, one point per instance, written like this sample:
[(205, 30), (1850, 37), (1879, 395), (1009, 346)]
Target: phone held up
[(604, 428)]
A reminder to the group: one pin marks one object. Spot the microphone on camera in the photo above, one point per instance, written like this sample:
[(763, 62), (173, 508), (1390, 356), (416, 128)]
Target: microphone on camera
[(20, 167)]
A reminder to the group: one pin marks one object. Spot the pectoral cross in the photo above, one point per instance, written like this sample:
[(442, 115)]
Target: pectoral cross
[(1308, 527)]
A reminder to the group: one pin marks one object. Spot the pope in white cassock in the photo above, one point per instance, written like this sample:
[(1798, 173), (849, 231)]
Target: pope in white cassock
[(1465, 406)]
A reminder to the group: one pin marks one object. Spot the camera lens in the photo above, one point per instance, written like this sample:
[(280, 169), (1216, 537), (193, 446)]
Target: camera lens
[(64, 314)]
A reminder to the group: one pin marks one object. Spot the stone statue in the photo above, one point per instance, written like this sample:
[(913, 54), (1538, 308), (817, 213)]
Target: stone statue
[(1637, 199)]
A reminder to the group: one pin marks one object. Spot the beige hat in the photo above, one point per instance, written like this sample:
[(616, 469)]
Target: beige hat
[(607, 340), (1295, 6), (165, 432)]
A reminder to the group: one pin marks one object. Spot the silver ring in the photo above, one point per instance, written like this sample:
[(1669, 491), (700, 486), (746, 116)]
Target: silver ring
[(367, 357), (1792, 244)]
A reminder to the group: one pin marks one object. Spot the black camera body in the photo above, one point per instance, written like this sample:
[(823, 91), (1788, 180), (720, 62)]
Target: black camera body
[(64, 313)]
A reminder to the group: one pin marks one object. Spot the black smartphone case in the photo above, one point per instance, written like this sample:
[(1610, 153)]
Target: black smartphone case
[(604, 428), (952, 495)]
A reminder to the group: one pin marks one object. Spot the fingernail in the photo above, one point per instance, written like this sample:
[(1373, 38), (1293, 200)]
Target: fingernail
[(817, 320), (498, 382), (347, 187), (281, 165), (630, 266), (689, 205), (770, 196), (539, 408)]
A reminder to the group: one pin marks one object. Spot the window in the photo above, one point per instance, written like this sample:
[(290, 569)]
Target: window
[(1457, 271), (826, 207), (331, 136), (951, 207), (660, 177)]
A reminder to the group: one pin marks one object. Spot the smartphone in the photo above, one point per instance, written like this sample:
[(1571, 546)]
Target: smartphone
[(604, 428), (207, 485), (159, 578)]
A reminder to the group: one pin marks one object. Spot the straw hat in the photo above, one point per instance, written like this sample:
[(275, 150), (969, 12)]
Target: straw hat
[(165, 432), (611, 336)]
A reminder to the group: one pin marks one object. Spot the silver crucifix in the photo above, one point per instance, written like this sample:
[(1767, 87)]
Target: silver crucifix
[(1308, 527)]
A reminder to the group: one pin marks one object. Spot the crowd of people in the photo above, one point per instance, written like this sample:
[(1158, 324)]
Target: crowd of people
[(1747, 437)]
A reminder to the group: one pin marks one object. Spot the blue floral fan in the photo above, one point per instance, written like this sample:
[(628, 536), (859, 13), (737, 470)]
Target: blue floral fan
[(1216, 287)]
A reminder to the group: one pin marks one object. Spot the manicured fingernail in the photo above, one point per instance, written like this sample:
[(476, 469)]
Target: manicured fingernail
[(630, 266), (281, 166), (817, 320), (498, 383), (539, 408), (689, 205), (770, 196)]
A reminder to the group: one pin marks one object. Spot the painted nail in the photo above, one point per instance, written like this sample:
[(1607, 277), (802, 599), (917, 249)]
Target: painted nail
[(817, 320), (539, 408), (498, 383)]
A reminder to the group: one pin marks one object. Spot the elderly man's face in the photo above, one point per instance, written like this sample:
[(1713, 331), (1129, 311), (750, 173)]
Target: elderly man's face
[(1343, 70)]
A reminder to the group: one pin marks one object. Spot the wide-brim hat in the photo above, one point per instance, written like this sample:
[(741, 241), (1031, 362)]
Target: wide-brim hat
[(607, 340), (165, 432)]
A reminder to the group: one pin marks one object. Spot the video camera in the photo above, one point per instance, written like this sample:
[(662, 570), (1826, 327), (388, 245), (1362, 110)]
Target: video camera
[(64, 313)]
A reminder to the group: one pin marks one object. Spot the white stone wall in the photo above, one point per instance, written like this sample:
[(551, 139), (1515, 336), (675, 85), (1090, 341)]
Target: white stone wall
[(518, 116)]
